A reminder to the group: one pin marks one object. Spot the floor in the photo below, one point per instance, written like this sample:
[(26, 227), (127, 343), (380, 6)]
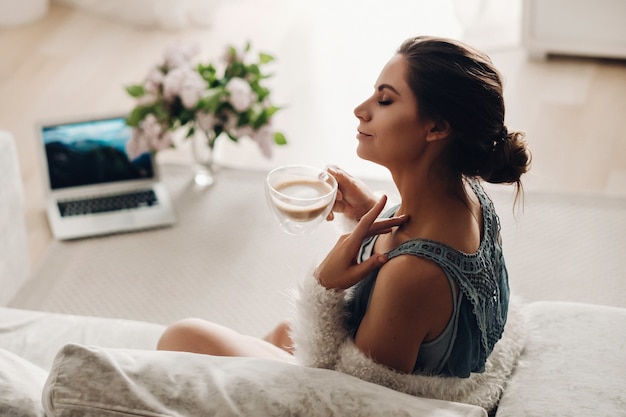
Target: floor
[(73, 63)]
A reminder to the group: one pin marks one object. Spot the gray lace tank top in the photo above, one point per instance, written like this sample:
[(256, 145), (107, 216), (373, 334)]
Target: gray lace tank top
[(480, 308)]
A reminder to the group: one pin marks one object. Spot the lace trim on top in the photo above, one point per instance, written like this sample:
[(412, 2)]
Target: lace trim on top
[(479, 275)]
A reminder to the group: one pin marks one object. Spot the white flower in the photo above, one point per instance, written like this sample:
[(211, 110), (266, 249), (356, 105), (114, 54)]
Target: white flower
[(192, 90), (137, 145), (184, 83), (264, 138), (153, 80), (241, 131), (161, 142), (241, 94), (231, 120), (155, 135), (150, 127), (180, 55), (147, 99), (206, 121), (173, 90)]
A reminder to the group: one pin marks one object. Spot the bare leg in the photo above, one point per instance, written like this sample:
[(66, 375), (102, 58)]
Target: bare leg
[(200, 336), (280, 337)]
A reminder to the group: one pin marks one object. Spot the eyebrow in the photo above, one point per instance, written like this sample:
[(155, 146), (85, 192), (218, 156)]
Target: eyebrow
[(387, 86)]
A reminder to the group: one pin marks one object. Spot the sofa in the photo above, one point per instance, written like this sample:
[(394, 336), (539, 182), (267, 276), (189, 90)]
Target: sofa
[(573, 362)]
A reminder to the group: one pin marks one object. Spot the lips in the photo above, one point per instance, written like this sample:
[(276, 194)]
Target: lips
[(362, 135)]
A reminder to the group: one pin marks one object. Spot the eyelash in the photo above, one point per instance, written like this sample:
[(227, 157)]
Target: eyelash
[(384, 102)]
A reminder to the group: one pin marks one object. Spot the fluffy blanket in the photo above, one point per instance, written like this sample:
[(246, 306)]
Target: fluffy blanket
[(322, 341)]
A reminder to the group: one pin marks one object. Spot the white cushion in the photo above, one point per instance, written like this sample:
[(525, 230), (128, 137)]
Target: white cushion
[(574, 363), (38, 336), (120, 382), (21, 383), (14, 262)]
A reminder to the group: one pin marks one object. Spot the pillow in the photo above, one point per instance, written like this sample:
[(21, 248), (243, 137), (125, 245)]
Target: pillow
[(574, 363), (21, 383), (124, 382)]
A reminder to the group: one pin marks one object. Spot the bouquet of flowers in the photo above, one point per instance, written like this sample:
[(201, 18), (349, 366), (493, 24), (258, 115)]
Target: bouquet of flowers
[(227, 98)]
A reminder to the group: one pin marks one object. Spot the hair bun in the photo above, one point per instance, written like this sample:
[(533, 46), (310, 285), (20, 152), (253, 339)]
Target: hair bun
[(510, 159)]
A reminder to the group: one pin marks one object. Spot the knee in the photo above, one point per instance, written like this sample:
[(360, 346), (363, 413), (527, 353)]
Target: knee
[(281, 337), (284, 328), (182, 335)]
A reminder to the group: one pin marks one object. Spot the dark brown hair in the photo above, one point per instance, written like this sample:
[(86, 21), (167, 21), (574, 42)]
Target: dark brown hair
[(459, 84)]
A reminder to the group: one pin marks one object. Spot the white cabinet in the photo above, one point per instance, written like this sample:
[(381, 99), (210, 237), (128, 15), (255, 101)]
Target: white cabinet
[(575, 27)]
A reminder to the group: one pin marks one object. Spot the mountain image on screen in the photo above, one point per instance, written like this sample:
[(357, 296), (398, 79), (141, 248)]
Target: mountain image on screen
[(91, 161)]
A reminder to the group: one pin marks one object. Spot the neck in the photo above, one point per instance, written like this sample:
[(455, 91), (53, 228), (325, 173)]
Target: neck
[(425, 191)]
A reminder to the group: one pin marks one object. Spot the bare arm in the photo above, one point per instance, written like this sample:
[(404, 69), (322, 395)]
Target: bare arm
[(411, 303), (318, 329)]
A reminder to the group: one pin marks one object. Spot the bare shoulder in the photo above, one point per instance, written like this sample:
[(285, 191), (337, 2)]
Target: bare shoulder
[(416, 275), (410, 304), (420, 288)]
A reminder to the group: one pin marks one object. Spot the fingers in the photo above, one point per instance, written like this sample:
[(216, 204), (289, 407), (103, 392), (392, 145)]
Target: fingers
[(368, 219), (383, 226), (344, 180)]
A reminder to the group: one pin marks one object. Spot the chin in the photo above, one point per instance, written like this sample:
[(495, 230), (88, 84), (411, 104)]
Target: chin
[(363, 154)]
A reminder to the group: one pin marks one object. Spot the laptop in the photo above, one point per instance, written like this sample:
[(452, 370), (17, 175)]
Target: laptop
[(92, 186)]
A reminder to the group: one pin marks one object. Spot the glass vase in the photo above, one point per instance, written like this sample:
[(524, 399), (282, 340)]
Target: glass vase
[(202, 149)]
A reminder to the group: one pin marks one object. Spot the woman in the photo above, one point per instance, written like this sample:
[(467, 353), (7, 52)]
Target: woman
[(419, 295)]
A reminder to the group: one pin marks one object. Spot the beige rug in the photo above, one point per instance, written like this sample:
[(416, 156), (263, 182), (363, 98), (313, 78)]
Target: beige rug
[(227, 261)]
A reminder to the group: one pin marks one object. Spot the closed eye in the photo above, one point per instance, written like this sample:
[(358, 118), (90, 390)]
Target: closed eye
[(384, 102)]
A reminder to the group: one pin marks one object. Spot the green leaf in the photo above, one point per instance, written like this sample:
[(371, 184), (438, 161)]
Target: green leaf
[(211, 100), (271, 110), (254, 69), (186, 116), (231, 137), (260, 121), (208, 73), (279, 138), (137, 115), (265, 58), (133, 118), (135, 90)]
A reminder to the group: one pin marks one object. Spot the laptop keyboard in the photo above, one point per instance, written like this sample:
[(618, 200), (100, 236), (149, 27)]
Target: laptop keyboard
[(125, 201)]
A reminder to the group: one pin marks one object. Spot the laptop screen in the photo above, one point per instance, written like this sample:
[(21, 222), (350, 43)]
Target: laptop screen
[(92, 152)]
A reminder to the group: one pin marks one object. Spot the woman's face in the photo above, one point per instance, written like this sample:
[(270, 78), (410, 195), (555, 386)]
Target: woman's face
[(390, 130)]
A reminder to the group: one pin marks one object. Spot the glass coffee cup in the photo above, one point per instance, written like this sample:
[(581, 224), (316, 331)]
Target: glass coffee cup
[(300, 196)]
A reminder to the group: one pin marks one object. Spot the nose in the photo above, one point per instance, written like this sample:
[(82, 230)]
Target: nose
[(361, 111)]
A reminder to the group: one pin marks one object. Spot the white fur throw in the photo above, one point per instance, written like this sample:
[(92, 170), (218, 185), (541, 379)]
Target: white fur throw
[(322, 341)]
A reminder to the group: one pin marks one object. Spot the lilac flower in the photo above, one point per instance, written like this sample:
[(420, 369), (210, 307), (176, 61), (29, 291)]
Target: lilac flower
[(241, 131), (264, 138), (137, 145), (184, 83), (162, 141), (212, 100), (241, 94), (150, 127), (180, 55), (147, 99), (206, 121), (153, 81), (154, 133)]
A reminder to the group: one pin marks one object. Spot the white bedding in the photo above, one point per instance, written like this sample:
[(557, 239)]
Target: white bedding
[(121, 371)]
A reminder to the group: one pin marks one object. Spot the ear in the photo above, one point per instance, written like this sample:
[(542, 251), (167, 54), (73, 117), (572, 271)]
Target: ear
[(439, 129)]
